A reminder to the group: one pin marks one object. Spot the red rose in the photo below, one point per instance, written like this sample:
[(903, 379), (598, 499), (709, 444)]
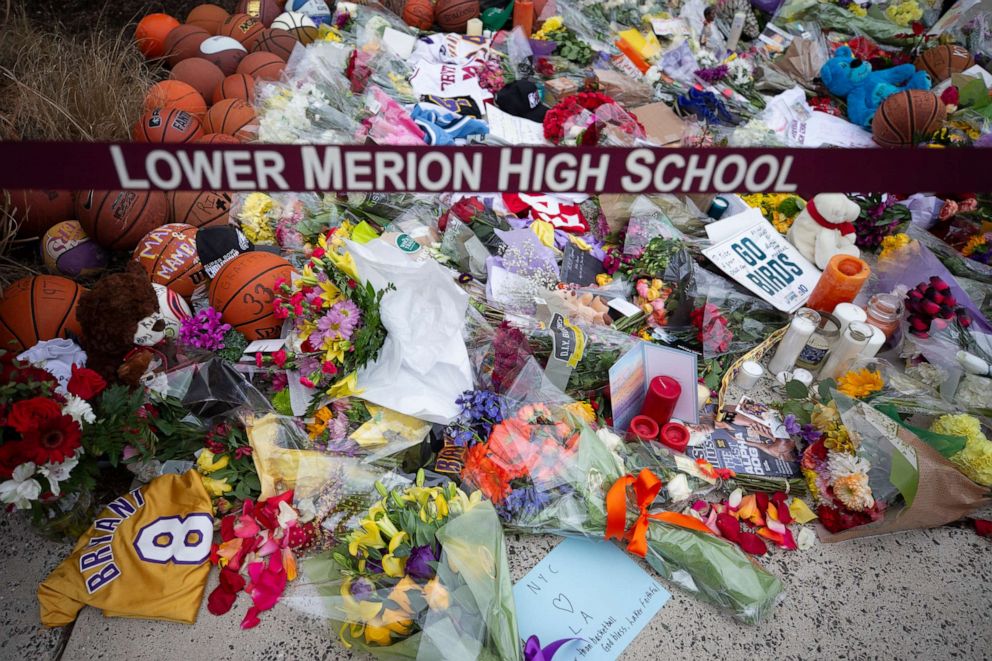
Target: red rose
[(55, 440), (85, 383), (29, 415)]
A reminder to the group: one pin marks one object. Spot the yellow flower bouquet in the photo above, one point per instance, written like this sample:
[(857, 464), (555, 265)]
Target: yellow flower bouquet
[(423, 574)]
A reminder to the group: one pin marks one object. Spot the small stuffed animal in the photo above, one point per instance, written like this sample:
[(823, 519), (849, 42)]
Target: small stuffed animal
[(119, 312), (824, 228), (849, 77)]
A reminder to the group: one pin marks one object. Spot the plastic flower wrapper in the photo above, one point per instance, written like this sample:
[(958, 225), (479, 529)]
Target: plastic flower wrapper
[(913, 263), (647, 221), (910, 484), (887, 22), (562, 477), (726, 320), (423, 575), (331, 479)]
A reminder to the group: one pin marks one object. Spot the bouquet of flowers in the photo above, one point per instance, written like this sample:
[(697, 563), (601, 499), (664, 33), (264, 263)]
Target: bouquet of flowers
[(41, 434), (870, 474), (546, 475), (336, 327), (423, 575), (587, 118)]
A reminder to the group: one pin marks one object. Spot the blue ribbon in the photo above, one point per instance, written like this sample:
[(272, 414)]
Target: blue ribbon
[(534, 652)]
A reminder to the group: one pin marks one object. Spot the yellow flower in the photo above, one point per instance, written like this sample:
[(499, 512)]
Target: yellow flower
[(399, 595), (322, 416), (208, 462), (892, 243), (814, 491), (603, 279), (215, 488), (346, 387), (551, 25), (436, 595), (392, 565), (255, 217), (357, 611), (975, 459), (583, 410), (838, 440), (334, 349), (367, 537), (825, 416), (973, 244), (860, 383), (857, 10), (380, 630)]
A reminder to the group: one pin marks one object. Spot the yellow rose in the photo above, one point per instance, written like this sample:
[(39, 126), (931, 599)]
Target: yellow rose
[(436, 595), (215, 488), (208, 462)]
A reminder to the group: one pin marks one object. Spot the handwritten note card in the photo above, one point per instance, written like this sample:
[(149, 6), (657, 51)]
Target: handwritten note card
[(591, 591)]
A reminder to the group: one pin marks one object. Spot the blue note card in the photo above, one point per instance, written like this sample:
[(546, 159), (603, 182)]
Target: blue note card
[(589, 590)]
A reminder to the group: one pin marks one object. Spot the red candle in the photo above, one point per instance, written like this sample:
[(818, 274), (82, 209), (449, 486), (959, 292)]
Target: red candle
[(675, 435), (663, 394), (643, 428)]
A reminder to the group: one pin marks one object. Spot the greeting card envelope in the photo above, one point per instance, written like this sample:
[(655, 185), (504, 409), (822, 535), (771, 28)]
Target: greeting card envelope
[(590, 591)]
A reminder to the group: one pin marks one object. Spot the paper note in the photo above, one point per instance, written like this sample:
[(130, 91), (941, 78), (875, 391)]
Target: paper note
[(579, 266), (513, 130), (762, 260), (591, 591)]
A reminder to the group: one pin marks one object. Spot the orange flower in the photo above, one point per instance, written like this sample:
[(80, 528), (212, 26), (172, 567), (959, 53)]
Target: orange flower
[(485, 474)]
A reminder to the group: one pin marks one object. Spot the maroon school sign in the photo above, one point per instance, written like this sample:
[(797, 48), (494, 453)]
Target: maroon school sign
[(355, 168)]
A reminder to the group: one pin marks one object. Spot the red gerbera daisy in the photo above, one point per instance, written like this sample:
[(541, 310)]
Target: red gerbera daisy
[(55, 440)]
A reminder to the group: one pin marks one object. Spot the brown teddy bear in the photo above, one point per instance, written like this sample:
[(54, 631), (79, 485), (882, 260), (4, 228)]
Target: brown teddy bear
[(120, 311)]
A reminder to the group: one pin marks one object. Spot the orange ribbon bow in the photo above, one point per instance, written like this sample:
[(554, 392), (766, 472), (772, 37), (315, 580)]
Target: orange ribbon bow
[(646, 488)]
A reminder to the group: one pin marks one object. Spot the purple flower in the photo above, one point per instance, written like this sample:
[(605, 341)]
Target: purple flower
[(791, 425), (340, 321), (810, 434), (373, 565), (418, 565), (713, 74), (203, 330), (362, 589)]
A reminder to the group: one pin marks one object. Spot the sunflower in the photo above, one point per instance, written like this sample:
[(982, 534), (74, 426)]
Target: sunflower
[(860, 383)]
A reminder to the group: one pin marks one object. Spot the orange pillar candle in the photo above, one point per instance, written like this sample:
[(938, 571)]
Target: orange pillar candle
[(523, 15), (840, 283)]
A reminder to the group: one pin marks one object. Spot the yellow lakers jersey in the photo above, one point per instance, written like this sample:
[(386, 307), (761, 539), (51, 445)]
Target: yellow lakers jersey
[(146, 555)]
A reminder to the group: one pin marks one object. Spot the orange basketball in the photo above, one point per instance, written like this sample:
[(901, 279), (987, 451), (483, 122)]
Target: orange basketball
[(200, 74), (453, 15), (233, 117), (243, 291), (419, 14), (175, 94), (942, 62), (168, 254), (200, 208), (218, 139), (184, 43), (907, 118), (37, 211), (118, 219), (236, 86), (262, 66), (276, 41), (242, 28), (36, 308), (209, 17), (167, 125), (263, 10), (151, 33)]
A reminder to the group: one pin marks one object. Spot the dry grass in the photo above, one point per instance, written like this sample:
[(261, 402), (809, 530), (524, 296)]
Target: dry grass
[(12, 267), (57, 85)]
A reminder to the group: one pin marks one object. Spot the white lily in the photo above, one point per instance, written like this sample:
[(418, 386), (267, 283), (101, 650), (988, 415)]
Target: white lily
[(21, 489)]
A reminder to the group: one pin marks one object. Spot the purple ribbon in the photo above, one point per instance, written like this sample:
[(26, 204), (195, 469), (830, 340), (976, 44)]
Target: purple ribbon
[(534, 652)]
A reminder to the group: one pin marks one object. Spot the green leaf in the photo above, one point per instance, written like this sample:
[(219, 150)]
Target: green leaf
[(796, 389), (973, 94), (824, 390)]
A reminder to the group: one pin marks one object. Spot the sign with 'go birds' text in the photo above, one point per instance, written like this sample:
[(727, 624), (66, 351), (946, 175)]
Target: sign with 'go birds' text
[(384, 168)]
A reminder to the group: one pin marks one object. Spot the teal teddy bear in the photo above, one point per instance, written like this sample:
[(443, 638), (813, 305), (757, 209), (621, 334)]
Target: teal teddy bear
[(850, 77)]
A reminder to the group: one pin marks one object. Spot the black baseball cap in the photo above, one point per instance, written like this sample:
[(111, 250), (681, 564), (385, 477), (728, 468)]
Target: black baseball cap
[(218, 245), (523, 99)]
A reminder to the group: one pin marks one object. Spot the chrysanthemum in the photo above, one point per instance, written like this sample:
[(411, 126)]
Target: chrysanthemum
[(842, 464), (860, 383), (853, 492), (839, 440)]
